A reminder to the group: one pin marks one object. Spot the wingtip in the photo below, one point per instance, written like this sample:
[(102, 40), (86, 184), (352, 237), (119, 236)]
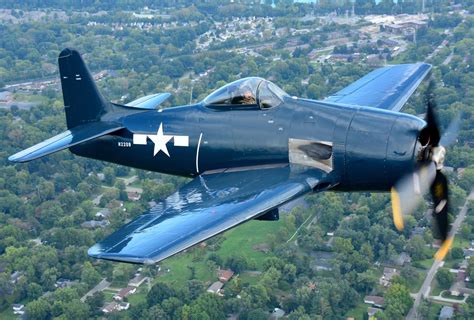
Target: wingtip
[(18, 157), (396, 210), (13, 158), (98, 252), (444, 249)]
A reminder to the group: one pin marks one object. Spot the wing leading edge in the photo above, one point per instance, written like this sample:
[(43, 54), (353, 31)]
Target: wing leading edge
[(385, 88), (205, 207)]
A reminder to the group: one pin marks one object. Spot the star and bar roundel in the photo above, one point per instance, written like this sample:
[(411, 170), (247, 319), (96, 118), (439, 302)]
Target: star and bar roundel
[(160, 140)]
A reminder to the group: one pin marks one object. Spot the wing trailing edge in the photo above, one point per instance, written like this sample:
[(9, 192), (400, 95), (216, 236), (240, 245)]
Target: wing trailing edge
[(385, 88)]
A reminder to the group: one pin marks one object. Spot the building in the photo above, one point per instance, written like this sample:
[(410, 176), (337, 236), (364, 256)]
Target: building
[(111, 307), (63, 283), (446, 313), (371, 312), (137, 281), (224, 275), (103, 213), (401, 259), (18, 309), (216, 287), (388, 274), (15, 277), (123, 306), (277, 313), (124, 293), (375, 301), (133, 196)]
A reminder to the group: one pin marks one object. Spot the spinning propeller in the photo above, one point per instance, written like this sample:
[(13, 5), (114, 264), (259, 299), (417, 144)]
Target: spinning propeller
[(409, 190)]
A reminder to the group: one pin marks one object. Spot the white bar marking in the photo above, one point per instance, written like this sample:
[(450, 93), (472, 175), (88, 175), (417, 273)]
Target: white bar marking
[(197, 153), (139, 138), (181, 141)]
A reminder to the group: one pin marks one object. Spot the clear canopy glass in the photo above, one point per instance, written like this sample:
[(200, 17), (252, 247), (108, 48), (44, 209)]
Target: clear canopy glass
[(252, 91)]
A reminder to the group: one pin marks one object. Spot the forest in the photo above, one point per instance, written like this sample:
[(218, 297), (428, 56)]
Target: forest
[(318, 261)]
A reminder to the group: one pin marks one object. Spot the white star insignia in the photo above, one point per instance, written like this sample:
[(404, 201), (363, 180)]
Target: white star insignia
[(160, 140)]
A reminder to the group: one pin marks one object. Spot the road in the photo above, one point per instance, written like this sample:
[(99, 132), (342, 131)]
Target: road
[(424, 290), (101, 286)]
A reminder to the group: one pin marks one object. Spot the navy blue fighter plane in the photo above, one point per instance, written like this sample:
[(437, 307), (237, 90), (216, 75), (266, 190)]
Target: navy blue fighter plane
[(250, 148)]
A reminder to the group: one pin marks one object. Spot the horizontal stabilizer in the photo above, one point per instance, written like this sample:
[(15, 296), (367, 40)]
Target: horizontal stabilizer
[(149, 102), (65, 140)]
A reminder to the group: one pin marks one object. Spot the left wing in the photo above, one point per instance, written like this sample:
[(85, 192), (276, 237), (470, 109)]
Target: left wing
[(205, 207), (385, 88)]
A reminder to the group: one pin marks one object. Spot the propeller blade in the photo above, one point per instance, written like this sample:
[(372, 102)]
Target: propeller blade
[(451, 134), (439, 193), (409, 190)]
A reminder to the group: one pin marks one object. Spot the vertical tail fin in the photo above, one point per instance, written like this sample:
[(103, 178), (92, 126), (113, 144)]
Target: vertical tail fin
[(82, 100)]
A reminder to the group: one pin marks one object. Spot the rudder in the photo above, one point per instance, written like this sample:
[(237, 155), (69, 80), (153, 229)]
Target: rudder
[(83, 102)]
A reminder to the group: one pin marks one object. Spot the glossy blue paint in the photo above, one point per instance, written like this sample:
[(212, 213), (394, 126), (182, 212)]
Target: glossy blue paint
[(203, 208), (249, 147), (386, 88), (149, 102)]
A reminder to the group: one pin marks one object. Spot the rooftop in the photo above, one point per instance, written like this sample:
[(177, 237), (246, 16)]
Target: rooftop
[(215, 287)]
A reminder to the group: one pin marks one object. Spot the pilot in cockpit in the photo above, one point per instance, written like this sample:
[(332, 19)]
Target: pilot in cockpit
[(244, 95)]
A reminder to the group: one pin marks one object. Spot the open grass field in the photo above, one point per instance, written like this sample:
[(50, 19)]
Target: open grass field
[(138, 296), (426, 264), (180, 269), (242, 239)]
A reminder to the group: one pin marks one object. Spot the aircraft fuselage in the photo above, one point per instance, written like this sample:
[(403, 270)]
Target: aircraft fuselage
[(359, 148)]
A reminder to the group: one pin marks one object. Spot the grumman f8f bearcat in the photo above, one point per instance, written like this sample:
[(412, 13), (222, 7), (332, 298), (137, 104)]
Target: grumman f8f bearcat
[(251, 148)]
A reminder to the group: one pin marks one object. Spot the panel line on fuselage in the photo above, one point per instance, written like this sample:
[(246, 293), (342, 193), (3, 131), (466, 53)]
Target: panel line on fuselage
[(197, 153)]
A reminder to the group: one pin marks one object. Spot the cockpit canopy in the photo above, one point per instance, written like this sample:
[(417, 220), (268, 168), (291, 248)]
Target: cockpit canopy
[(251, 92)]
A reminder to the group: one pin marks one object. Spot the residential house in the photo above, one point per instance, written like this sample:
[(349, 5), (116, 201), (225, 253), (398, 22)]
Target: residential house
[(371, 312), (115, 204), (388, 274), (18, 309), (137, 281), (468, 253), (224, 275), (375, 301), (133, 196), (104, 213), (110, 307), (124, 293), (277, 313), (401, 259), (216, 287), (15, 277), (63, 283), (123, 306)]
